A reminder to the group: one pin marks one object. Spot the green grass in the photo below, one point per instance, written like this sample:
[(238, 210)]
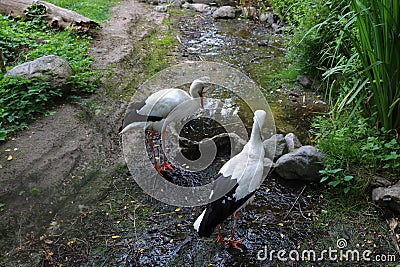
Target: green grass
[(97, 10), (354, 152), (25, 40), (158, 45)]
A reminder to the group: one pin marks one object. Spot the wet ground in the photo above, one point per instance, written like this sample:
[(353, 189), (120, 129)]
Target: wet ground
[(123, 226)]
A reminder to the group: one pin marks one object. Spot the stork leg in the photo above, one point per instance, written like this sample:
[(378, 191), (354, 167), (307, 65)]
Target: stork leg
[(220, 239), (166, 166), (150, 142), (231, 241)]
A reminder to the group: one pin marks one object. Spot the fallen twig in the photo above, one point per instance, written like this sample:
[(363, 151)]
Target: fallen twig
[(294, 203)]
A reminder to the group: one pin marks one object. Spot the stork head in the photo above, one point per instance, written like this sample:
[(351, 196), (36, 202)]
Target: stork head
[(259, 119), (196, 90)]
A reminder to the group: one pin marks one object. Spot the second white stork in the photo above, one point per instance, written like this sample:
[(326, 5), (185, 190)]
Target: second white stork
[(152, 113), (243, 173)]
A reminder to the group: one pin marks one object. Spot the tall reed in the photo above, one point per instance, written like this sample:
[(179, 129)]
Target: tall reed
[(378, 47)]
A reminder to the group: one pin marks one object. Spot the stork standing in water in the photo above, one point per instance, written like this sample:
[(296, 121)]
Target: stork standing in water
[(152, 113), (243, 173)]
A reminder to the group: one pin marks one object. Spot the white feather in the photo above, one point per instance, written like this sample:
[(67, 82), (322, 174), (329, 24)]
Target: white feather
[(197, 223)]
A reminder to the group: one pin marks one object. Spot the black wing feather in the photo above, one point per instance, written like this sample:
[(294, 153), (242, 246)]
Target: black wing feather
[(219, 210), (132, 115)]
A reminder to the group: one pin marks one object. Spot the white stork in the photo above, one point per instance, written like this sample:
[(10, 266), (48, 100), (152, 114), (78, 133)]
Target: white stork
[(243, 173), (152, 113)]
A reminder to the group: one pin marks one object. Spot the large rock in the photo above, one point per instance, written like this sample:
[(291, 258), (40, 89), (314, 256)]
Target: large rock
[(302, 164), (388, 196), (53, 69), (225, 12), (277, 145)]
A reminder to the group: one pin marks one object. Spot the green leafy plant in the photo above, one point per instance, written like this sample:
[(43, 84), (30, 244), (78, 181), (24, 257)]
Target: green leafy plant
[(21, 100), (353, 151), (25, 40), (98, 10), (35, 10)]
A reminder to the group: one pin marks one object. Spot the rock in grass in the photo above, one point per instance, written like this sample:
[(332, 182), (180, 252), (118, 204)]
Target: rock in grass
[(388, 196), (302, 164), (53, 69), (225, 12)]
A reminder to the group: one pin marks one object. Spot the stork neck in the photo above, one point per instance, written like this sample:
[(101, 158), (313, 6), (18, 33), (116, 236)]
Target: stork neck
[(255, 136)]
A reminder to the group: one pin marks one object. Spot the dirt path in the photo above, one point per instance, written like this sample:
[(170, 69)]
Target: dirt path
[(61, 162)]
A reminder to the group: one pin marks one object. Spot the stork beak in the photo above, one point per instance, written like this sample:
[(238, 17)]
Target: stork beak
[(201, 100)]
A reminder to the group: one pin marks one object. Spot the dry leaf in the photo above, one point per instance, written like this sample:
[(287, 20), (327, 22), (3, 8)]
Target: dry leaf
[(9, 157)]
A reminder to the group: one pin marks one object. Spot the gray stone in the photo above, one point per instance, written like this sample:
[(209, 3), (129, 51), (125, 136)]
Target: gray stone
[(277, 28), (53, 69), (225, 12), (161, 8), (302, 164), (388, 196), (267, 17), (304, 81), (177, 3), (276, 143), (196, 7), (292, 142)]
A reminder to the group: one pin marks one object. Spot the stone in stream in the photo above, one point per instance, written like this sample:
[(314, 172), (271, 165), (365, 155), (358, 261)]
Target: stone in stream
[(161, 8), (302, 164), (225, 12), (53, 69), (197, 7), (388, 196), (177, 3), (267, 17)]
